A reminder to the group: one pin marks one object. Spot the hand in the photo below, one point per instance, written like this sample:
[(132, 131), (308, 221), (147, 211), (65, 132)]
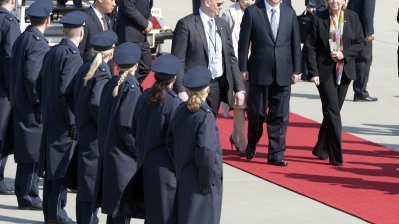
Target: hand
[(38, 112), (337, 56), (369, 38), (316, 80), (310, 9), (183, 96), (244, 75), (294, 78), (149, 27), (239, 98), (205, 189), (72, 132)]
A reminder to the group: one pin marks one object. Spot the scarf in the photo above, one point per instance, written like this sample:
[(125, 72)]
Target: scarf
[(336, 43)]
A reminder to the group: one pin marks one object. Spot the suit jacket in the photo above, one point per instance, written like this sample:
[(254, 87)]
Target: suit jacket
[(190, 46), (92, 26), (318, 48), (365, 11), (133, 17), (271, 60)]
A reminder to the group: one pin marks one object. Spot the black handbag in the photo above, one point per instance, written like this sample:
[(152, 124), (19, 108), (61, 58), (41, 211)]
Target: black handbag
[(304, 21)]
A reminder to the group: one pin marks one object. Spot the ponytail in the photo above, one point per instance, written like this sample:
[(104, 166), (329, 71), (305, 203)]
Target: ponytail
[(122, 78), (100, 56), (158, 90), (195, 99)]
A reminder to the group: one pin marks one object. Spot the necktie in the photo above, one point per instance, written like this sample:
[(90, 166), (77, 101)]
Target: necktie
[(105, 26), (274, 23), (212, 32)]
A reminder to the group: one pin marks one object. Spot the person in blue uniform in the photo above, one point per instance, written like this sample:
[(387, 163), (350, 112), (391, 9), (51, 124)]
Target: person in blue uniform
[(89, 83), (28, 51), (152, 116), (60, 65), (194, 145), (9, 31), (118, 150)]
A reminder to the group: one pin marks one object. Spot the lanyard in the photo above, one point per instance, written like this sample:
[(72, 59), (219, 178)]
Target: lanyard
[(209, 37)]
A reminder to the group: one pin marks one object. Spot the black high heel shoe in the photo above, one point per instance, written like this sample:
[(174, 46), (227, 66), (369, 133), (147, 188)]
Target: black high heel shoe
[(233, 143)]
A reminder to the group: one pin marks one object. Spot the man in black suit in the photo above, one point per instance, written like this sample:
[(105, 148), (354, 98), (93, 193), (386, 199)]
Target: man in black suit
[(97, 21), (365, 10), (134, 23), (274, 65), (203, 38)]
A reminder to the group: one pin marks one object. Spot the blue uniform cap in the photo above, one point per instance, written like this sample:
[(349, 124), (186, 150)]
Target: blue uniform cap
[(166, 66), (40, 8), (127, 54), (74, 19), (197, 78), (104, 40)]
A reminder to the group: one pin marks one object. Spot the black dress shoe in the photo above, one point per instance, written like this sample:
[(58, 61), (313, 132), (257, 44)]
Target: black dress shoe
[(320, 157), (333, 163), (277, 162), (38, 206), (6, 190), (250, 153), (365, 99), (65, 221)]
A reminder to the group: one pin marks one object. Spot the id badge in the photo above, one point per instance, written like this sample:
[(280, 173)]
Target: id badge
[(216, 59)]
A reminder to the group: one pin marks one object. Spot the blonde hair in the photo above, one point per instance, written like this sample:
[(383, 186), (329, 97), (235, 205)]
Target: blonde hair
[(126, 72), (343, 6), (195, 99), (98, 59)]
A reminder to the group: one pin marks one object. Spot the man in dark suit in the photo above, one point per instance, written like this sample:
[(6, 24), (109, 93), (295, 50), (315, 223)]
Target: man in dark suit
[(134, 23), (203, 38), (9, 31), (274, 65), (97, 21), (365, 10)]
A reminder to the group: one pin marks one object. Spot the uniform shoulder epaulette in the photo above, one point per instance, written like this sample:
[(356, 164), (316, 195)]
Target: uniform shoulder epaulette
[(37, 37), (172, 93), (9, 17), (73, 51), (206, 108), (131, 84), (103, 67)]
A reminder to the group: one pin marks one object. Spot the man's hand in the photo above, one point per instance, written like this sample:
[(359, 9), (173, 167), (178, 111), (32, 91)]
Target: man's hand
[(239, 98), (183, 96), (369, 38), (294, 78), (311, 10), (149, 27), (316, 80), (244, 75), (72, 133), (337, 56), (38, 112), (205, 189)]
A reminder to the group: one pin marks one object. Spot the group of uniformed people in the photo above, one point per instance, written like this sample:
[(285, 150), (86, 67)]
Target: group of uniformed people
[(143, 155)]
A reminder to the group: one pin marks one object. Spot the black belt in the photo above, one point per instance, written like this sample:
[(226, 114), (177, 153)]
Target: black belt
[(216, 79)]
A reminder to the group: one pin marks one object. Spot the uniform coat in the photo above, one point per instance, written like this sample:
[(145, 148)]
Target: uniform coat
[(60, 66), (87, 102), (150, 124), (320, 64), (9, 31), (191, 47), (92, 26), (119, 151), (28, 52), (193, 143)]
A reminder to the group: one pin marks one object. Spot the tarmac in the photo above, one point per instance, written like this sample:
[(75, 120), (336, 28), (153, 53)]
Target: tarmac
[(249, 199)]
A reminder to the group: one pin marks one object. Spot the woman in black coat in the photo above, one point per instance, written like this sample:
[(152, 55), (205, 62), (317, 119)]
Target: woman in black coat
[(151, 120), (333, 42), (89, 83), (193, 142), (118, 144)]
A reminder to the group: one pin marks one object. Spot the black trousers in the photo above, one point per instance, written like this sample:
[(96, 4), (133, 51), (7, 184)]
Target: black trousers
[(86, 213), (269, 104), (27, 184), (3, 163), (117, 220), (363, 64), (332, 98), (54, 200), (217, 93), (145, 62)]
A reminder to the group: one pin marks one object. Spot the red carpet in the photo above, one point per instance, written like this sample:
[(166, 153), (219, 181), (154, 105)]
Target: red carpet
[(367, 186)]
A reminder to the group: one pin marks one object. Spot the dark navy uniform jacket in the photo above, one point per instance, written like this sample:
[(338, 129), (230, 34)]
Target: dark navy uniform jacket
[(9, 31), (150, 124), (193, 142), (87, 102), (28, 52), (60, 65), (119, 151)]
